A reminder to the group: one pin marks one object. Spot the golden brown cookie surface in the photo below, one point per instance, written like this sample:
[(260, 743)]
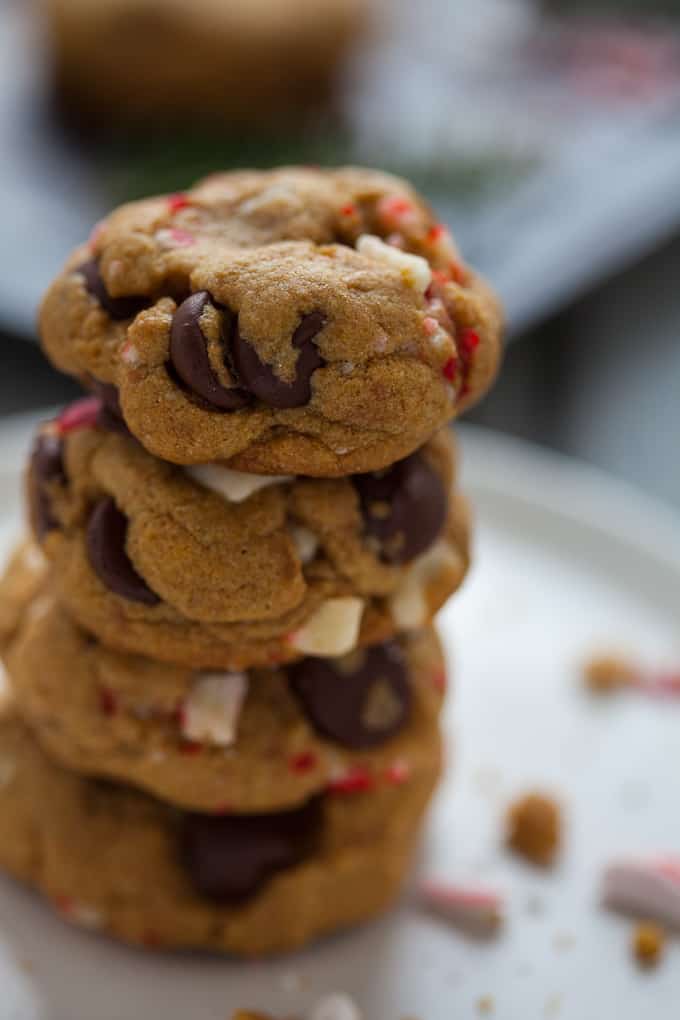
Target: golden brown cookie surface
[(295, 321), (263, 741), (210, 568), (160, 879)]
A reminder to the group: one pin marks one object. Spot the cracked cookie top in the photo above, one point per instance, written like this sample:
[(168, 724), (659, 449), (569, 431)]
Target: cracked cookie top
[(295, 321)]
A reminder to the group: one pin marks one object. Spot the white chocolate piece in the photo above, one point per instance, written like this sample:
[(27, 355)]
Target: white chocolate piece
[(649, 888), (305, 541), (212, 710), (414, 269), (408, 604), (235, 486), (336, 1006), (332, 630)]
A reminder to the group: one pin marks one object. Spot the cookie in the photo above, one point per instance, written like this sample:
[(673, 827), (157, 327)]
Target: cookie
[(294, 321), (261, 741), (24, 577), (138, 62), (211, 568), (119, 861)]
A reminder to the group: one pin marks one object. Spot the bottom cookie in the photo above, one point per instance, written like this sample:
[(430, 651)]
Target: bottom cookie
[(120, 861)]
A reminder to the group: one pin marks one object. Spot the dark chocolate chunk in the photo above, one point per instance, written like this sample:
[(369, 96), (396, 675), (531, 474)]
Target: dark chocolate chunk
[(46, 469), (359, 701), (261, 379), (117, 308), (189, 356), (404, 507), (106, 533), (228, 858)]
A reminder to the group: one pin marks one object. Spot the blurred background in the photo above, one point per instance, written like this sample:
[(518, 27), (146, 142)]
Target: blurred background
[(546, 133)]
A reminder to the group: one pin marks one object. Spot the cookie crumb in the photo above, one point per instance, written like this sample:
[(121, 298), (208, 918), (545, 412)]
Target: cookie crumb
[(486, 1005), (607, 673), (649, 943), (534, 828)]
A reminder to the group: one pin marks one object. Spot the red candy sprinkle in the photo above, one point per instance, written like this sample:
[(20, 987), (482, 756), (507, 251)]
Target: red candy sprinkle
[(356, 780), (450, 369), (458, 273), (436, 233), (439, 276), (430, 325), (468, 341), (84, 414), (108, 703), (349, 210), (398, 773), (305, 761), (394, 207), (177, 202)]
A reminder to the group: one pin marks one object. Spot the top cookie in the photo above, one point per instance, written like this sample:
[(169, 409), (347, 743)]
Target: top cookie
[(295, 321)]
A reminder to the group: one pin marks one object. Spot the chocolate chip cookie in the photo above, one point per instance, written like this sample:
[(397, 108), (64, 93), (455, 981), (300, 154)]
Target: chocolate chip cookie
[(296, 321), (115, 860), (211, 568), (262, 741), (170, 62)]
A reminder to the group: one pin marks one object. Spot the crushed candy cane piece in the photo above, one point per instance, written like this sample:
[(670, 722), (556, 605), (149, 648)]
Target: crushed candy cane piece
[(356, 779), (396, 211), (476, 910), (235, 486), (129, 354), (178, 201), (78, 913), (450, 369), (332, 630), (415, 271), (398, 773), (349, 209), (82, 414), (646, 887), (336, 1006), (171, 237), (213, 707), (430, 325), (607, 673)]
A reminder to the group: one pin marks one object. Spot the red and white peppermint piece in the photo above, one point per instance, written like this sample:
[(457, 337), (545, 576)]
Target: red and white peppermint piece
[(211, 711), (78, 913), (473, 909), (414, 269), (171, 237), (397, 212), (356, 779), (398, 773), (647, 887), (83, 414), (129, 354)]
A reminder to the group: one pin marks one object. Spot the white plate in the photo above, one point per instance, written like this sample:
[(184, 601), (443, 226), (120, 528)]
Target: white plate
[(566, 561)]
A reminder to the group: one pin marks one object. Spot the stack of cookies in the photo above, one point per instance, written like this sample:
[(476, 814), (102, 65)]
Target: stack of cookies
[(222, 729)]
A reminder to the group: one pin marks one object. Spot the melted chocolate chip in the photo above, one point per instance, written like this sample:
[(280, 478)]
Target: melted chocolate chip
[(261, 379), (117, 308), (189, 356), (404, 508), (47, 468), (357, 705), (230, 857), (106, 533), (110, 417)]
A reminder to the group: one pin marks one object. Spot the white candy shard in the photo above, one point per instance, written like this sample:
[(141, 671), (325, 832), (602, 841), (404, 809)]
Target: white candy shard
[(212, 709), (415, 270), (332, 630), (336, 1006), (648, 887), (474, 910), (408, 604), (235, 486), (305, 541)]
